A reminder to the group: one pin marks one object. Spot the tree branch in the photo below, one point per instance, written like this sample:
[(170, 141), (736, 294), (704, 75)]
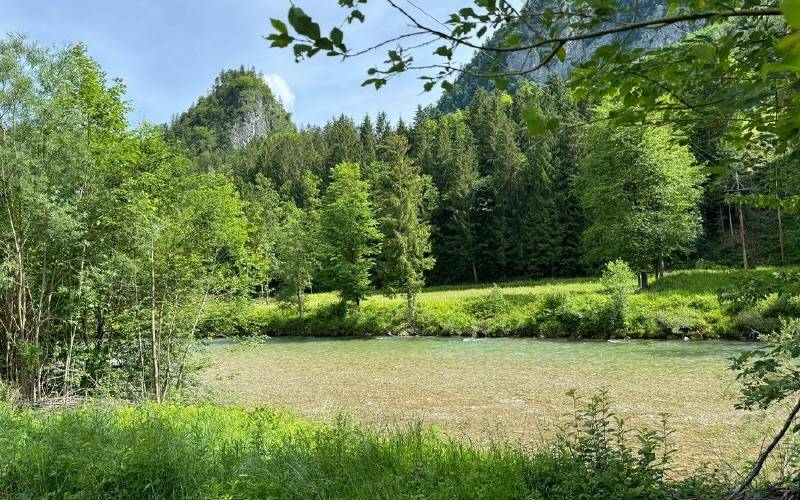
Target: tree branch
[(762, 458), (656, 22)]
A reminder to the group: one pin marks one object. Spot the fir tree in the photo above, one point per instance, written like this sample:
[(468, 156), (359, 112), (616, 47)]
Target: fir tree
[(406, 249), (350, 236)]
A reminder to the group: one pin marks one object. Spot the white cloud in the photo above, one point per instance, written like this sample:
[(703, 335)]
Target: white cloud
[(280, 87)]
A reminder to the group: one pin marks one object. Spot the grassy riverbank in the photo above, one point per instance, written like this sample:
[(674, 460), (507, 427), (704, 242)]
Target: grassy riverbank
[(683, 303), (172, 451)]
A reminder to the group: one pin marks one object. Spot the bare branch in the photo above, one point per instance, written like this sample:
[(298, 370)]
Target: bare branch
[(650, 23)]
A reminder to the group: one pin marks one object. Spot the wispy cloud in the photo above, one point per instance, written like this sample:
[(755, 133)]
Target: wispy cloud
[(280, 87)]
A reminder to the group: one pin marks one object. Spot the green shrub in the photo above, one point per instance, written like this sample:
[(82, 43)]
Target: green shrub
[(679, 322), (491, 305), (705, 264), (782, 305), (619, 283), (752, 323), (556, 315)]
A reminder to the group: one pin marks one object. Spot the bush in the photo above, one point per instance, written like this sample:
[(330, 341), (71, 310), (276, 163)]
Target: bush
[(490, 305), (679, 323), (705, 264), (752, 323), (556, 315), (619, 283)]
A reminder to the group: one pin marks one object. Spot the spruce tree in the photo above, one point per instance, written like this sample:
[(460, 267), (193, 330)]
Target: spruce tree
[(343, 142), (501, 161), (406, 249), (366, 133), (383, 129), (455, 239)]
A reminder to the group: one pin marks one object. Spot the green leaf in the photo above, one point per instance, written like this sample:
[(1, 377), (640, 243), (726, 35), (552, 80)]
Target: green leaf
[(444, 51), (704, 51), (501, 82), (324, 43), (280, 40), (561, 53), (377, 82), (356, 14), (302, 23), (607, 50), (534, 119), (791, 11), (279, 25), (301, 49), (336, 36), (715, 170), (447, 86)]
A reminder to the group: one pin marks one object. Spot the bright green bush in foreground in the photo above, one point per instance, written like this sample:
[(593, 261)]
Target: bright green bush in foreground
[(172, 451)]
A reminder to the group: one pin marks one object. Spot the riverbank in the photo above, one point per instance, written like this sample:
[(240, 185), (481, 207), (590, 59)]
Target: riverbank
[(682, 304), (203, 451)]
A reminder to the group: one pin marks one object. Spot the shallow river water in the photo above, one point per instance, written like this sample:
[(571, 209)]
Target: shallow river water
[(496, 389)]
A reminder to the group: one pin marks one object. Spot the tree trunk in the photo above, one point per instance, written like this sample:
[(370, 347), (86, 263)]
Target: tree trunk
[(153, 332), (68, 361), (643, 280), (742, 236), (299, 298), (730, 222), (780, 236), (412, 312)]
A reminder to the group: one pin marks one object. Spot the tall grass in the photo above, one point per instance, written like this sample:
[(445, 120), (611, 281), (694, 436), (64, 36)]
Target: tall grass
[(173, 451), (683, 303)]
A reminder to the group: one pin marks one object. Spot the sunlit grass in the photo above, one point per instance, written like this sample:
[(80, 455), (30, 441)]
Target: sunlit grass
[(202, 451), (679, 304)]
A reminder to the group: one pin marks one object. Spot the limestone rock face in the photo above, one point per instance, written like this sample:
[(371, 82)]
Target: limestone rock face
[(259, 118), (576, 52)]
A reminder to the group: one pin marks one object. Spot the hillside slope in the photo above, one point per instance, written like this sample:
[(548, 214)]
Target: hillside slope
[(239, 107)]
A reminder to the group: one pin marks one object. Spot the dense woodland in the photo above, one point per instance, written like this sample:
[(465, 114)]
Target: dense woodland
[(503, 204)]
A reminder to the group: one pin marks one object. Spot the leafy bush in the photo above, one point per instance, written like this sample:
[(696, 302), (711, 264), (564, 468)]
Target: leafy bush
[(679, 322), (705, 264), (784, 305), (752, 323), (750, 288), (556, 315), (619, 283), (491, 305)]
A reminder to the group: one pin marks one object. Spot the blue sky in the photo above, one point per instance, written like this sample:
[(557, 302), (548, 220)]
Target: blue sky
[(169, 51)]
